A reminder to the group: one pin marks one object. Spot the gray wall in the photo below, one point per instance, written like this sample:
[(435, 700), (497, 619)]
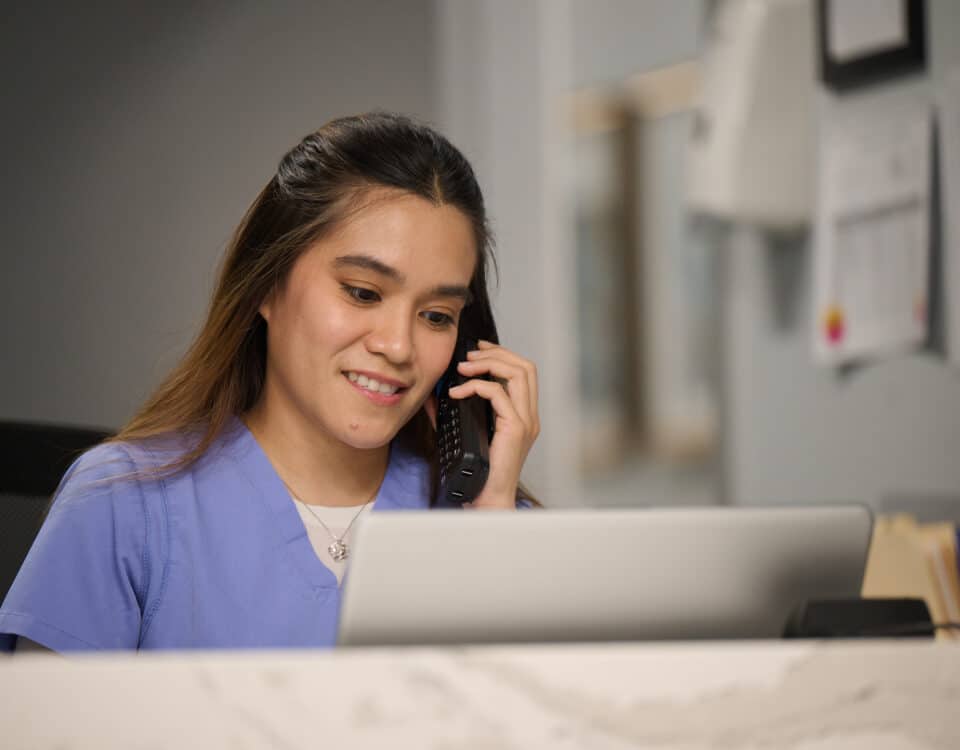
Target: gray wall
[(134, 137), (614, 39), (799, 433)]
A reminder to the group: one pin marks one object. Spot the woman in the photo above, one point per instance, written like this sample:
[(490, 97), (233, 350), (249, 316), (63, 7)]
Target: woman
[(305, 401)]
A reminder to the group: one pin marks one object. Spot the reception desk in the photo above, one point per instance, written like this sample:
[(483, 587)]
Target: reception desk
[(881, 695)]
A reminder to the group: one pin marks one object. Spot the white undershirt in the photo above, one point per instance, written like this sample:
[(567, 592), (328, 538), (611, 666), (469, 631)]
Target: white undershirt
[(337, 519)]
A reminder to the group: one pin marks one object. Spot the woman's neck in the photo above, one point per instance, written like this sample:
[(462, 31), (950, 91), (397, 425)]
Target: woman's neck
[(317, 468)]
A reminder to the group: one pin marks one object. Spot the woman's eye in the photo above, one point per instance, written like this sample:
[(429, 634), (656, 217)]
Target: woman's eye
[(438, 319), (360, 294)]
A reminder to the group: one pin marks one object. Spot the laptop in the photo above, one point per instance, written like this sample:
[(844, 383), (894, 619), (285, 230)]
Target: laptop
[(453, 577)]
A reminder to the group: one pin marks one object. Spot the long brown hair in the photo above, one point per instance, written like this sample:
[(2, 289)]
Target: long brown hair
[(317, 185)]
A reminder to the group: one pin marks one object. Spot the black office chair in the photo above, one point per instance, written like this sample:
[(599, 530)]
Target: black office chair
[(33, 458)]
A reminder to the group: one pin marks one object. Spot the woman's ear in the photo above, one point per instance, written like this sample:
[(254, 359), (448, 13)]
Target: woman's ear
[(266, 307)]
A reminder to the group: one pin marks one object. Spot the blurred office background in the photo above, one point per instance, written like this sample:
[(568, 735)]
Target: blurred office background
[(673, 346)]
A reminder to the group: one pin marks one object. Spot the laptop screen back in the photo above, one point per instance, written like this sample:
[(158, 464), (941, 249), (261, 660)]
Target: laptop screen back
[(596, 575)]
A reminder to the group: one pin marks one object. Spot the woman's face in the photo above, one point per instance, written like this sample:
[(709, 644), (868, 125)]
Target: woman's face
[(366, 321)]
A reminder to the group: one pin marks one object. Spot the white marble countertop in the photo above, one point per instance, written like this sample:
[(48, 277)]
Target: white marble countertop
[(881, 695)]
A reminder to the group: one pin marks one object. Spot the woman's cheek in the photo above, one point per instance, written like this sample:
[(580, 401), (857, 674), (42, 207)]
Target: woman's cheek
[(331, 327)]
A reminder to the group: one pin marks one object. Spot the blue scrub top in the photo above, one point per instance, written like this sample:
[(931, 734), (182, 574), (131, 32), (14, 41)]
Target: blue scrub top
[(212, 557)]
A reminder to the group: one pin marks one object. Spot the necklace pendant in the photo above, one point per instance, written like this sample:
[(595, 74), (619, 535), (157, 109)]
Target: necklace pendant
[(338, 551)]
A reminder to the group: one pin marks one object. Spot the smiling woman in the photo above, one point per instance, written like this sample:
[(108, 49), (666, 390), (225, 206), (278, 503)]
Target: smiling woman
[(380, 299), (221, 515)]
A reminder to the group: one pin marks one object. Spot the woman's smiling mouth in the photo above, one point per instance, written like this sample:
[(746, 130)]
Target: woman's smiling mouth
[(379, 391)]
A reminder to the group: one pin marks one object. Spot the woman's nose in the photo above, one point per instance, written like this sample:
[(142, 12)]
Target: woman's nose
[(393, 338)]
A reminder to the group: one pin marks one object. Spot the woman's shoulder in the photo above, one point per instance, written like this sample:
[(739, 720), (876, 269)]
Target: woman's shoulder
[(107, 470), (105, 494), (130, 486), (120, 459), (124, 466)]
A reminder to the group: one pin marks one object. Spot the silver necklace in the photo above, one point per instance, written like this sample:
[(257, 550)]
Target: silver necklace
[(338, 548)]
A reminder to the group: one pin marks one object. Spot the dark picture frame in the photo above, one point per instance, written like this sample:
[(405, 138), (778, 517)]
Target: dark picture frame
[(879, 66)]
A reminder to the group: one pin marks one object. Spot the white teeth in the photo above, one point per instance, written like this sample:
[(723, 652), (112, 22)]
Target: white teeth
[(372, 384)]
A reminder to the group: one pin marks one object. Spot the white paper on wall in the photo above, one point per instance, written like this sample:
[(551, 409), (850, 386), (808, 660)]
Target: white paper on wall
[(872, 252), (857, 28)]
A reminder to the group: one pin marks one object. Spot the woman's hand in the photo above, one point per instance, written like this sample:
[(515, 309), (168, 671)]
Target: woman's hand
[(513, 396)]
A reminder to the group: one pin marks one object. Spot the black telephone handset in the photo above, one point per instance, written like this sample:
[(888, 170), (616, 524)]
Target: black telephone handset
[(464, 432)]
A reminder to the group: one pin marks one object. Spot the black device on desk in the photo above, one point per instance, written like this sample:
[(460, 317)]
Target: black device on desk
[(861, 618), (464, 432)]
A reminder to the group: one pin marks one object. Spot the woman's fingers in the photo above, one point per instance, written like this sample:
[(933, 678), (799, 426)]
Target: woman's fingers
[(511, 442), (518, 374), (512, 393), (487, 350), (502, 404), (514, 380)]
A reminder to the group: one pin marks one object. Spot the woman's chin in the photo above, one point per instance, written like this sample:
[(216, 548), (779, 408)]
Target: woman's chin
[(367, 437)]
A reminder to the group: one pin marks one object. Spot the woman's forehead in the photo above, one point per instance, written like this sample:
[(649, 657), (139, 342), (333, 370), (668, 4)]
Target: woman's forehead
[(405, 233)]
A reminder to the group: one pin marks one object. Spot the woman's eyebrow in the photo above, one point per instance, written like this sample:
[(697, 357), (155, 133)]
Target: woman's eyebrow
[(452, 290), (369, 263)]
